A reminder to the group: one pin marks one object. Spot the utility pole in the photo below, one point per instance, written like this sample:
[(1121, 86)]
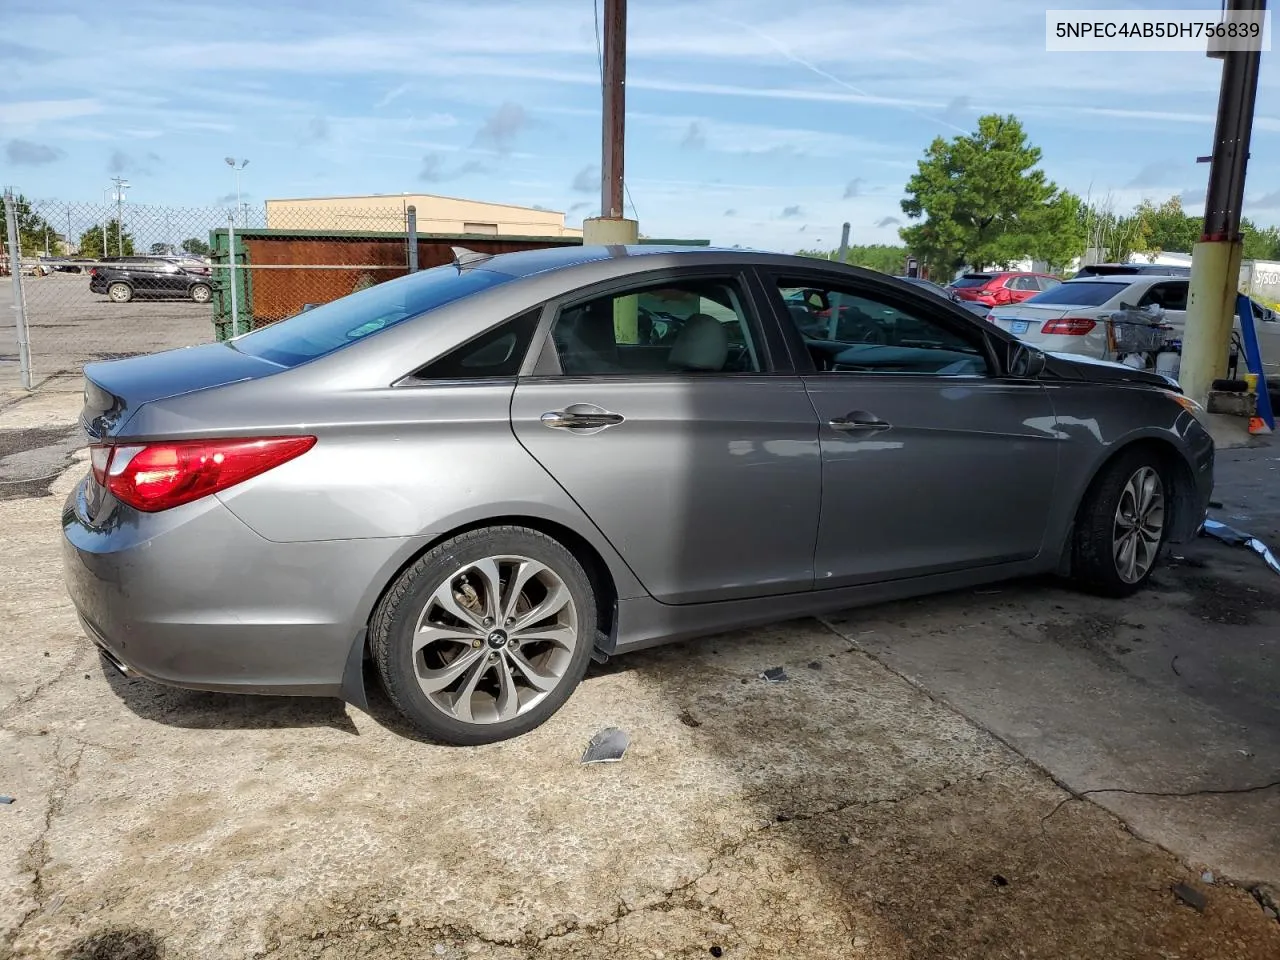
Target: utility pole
[(614, 97), (231, 162), (121, 186), (611, 227), (1215, 259)]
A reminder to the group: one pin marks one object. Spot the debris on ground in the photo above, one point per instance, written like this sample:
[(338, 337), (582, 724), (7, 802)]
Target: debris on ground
[(775, 675), (815, 665), (1207, 876), (607, 746), (1191, 897), (1235, 538), (6, 799), (688, 719)]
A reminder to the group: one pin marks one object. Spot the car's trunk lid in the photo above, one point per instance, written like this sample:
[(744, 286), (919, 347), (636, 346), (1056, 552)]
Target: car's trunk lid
[(115, 389)]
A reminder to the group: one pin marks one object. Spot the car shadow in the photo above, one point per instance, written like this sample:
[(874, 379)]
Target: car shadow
[(200, 710)]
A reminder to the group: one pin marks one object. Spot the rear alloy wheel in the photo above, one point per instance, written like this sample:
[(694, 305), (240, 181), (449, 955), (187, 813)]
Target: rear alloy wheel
[(201, 293), (486, 636), (120, 292), (1122, 526)]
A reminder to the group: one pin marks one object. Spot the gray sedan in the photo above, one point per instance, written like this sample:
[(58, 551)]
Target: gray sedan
[(473, 480)]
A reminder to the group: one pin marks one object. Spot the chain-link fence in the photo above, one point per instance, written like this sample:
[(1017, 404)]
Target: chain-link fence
[(109, 279)]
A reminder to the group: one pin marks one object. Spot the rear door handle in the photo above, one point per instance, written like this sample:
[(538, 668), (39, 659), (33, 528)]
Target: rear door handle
[(859, 422), (586, 420)]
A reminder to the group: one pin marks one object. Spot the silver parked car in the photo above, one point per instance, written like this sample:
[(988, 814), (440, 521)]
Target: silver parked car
[(483, 475)]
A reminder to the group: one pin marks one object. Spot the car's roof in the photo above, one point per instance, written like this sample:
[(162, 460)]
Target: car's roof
[(1125, 278), (524, 263)]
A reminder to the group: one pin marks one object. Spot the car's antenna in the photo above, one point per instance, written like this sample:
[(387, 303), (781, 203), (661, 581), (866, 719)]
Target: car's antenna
[(462, 256)]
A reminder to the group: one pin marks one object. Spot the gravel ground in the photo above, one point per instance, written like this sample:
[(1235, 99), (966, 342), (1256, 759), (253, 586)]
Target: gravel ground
[(844, 813)]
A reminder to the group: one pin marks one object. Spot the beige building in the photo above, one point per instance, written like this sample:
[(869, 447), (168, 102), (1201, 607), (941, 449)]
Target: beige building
[(435, 215)]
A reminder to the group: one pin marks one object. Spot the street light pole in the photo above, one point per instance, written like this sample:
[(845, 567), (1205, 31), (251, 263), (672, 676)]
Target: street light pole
[(121, 186), (231, 162)]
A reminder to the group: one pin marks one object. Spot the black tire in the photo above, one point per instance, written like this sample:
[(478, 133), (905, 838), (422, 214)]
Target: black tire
[(396, 618), (1094, 564), (118, 292), (200, 292)]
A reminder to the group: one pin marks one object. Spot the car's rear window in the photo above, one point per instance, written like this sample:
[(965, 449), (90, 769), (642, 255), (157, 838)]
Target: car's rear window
[(1077, 293), (341, 322), (972, 280)]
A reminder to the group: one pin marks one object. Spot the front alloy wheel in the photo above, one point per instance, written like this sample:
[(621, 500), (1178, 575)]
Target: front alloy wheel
[(1139, 525)]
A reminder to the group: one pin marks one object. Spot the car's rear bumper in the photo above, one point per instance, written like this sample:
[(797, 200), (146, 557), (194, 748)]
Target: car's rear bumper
[(193, 598)]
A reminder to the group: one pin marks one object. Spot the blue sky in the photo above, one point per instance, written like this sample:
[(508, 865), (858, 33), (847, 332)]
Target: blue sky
[(748, 121)]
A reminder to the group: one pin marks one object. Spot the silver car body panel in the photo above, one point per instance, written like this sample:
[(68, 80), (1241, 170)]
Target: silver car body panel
[(719, 501)]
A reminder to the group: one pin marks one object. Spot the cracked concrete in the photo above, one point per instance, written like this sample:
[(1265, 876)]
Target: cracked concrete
[(845, 813)]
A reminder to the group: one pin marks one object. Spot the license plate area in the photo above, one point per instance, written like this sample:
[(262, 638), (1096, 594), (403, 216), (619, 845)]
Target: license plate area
[(1018, 326)]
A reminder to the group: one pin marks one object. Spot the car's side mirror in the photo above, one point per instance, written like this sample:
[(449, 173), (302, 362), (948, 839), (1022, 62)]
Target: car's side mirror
[(1025, 362)]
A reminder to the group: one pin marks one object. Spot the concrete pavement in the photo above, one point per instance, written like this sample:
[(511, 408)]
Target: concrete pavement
[(843, 813)]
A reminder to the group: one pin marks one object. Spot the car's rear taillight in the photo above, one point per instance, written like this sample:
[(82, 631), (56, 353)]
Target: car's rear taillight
[(1069, 326), (158, 476)]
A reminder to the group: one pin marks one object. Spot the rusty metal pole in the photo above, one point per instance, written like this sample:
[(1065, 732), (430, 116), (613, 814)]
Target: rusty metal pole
[(615, 108), (1215, 259)]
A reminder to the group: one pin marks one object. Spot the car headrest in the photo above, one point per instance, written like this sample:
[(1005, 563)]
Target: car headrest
[(702, 344)]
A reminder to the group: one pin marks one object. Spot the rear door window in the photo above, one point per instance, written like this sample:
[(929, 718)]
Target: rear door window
[(972, 280), (1170, 296)]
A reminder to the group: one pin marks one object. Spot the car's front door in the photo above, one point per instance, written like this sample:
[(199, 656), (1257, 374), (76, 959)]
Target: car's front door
[(660, 406), (933, 460)]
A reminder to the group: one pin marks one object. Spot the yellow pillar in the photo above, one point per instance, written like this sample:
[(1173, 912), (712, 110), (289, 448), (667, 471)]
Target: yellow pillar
[(1211, 306), (612, 231)]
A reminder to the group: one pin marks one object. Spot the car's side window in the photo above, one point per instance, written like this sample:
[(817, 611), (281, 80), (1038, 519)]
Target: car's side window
[(495, 354), (692, 326), (1170, 296), (1024, 283), (858, 331)]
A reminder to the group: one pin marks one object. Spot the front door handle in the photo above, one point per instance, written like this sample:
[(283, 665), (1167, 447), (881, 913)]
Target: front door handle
[(570, 419), (859, 421)]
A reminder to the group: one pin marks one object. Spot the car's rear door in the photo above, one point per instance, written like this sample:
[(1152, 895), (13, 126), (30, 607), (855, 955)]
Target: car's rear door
[(932, 459), (1171, 295), (696, 457)]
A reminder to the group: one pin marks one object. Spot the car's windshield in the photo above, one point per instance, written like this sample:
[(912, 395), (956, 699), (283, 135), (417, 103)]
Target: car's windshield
[(1076, 293), (332, 325)]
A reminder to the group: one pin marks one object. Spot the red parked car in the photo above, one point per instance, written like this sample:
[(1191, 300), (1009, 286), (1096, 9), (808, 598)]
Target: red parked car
[(997, 289)]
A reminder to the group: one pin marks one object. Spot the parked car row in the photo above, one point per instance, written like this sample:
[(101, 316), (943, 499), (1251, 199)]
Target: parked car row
[(1081, 315)]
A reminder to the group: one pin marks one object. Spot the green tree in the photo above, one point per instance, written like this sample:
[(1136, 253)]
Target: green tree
[(1260, 243), (34, 232), (885, 257), (91, 241), (1167, 228), (982, 200), (196, 246)]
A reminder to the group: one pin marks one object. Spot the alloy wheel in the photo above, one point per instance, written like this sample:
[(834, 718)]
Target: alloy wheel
[(494, 639), (1139, 524)]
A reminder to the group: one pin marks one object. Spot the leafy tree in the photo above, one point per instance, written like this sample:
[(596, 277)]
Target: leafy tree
[(1167, 228), (91, 241), (1260, 243), (34, 232), (885, 257), (196, 246), (983, 201)]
